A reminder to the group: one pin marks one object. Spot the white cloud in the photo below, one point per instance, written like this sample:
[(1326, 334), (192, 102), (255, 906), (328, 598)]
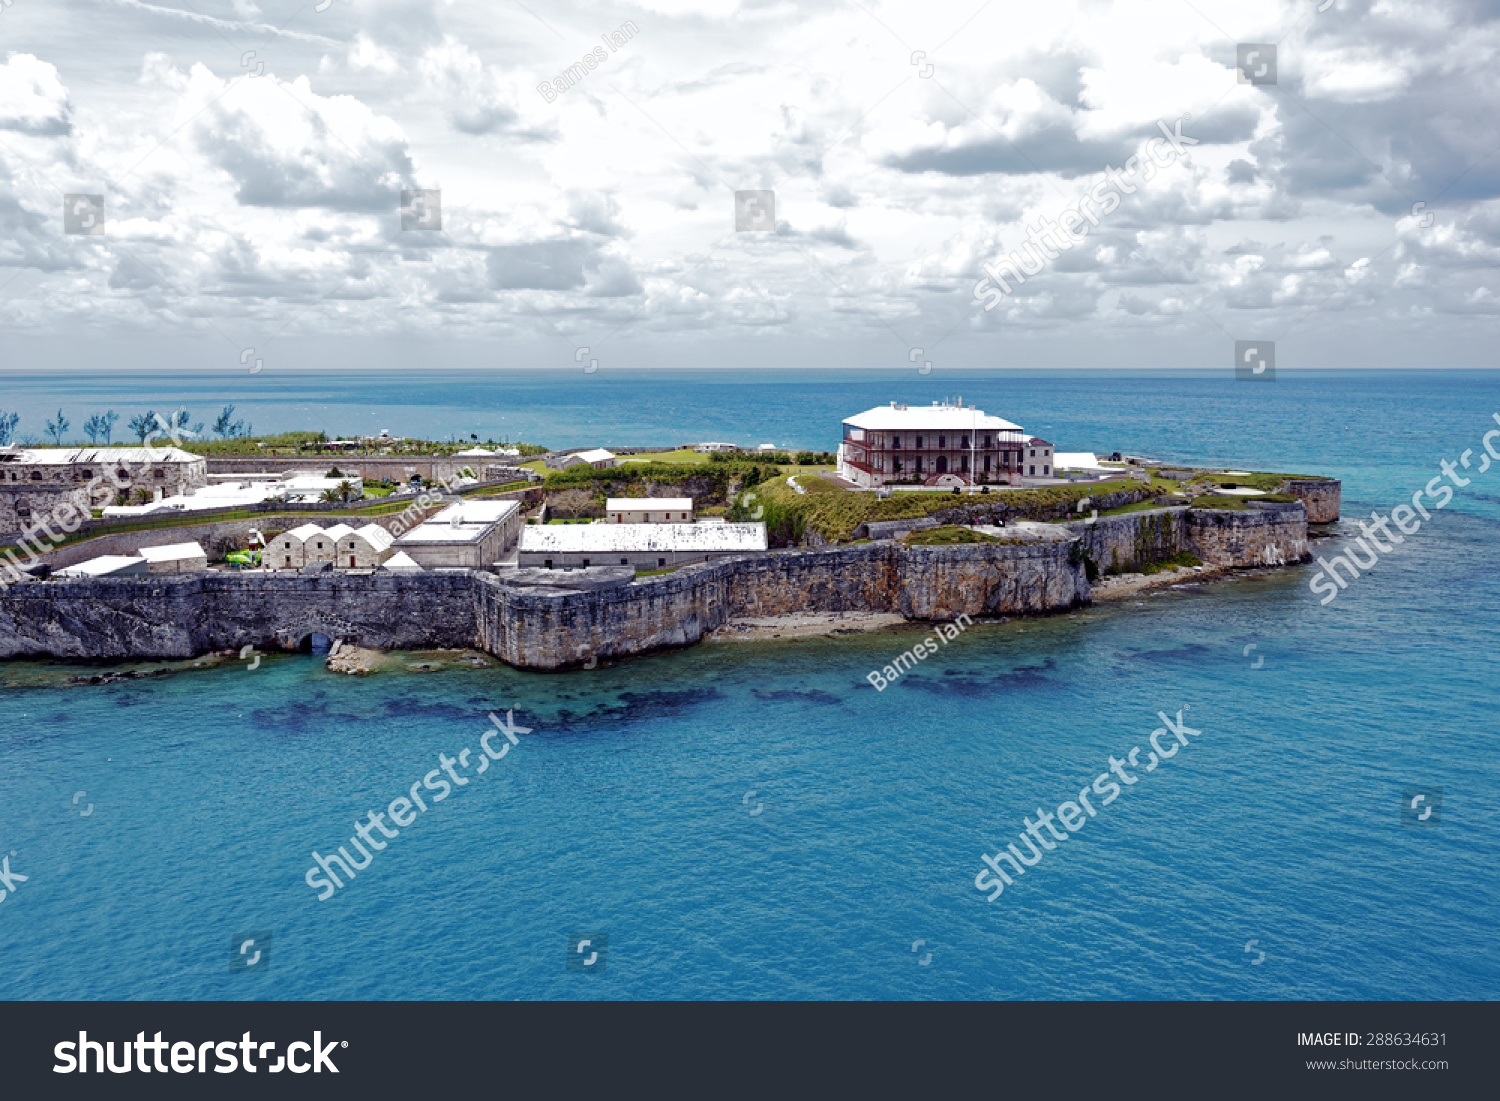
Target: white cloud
[(268, 199)]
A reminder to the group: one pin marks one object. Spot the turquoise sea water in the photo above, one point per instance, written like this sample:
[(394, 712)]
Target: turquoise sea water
[(627, 808)]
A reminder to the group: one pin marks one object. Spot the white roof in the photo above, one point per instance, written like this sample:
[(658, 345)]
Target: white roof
[(597, 455), (1076, 460), (302, 531), (473, 451), (910, 418), (475, 520), (649, 504), (174, 552), (101, 566), (376, 536), (338, 531), (55, 455), (401, 562), (642, 538)]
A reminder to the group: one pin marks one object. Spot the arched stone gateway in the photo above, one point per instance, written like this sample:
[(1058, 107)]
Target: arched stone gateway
[(301, 636)]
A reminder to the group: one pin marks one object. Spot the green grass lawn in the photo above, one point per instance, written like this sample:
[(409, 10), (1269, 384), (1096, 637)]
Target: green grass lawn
[(947, 535), (835, 512), (688, 456), (657, 573), (1234, 504)]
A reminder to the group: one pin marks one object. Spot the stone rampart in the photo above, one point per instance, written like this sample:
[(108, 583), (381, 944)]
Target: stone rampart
[(538, 627), (1320, 495)]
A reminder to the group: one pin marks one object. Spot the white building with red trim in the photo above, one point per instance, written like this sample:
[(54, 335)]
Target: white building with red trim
[(942, 444)]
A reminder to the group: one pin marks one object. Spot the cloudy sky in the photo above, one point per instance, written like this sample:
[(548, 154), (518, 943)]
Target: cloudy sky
[(251, 156)]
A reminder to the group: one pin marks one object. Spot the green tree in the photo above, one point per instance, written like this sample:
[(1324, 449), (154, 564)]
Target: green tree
[(227, 427), (8, 422), (144, 425), (56, 428)]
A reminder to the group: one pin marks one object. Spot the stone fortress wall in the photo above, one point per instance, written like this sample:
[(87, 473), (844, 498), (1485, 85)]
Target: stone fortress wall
[(546, 626)]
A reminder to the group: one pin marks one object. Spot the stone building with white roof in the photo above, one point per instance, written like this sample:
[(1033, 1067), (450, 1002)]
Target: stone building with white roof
[(643, 546), (648, 510), (598, 458), (366, 548), (285, 551), (944, 444), (322, 546), (175, 558), (36, 481), (470, 535)]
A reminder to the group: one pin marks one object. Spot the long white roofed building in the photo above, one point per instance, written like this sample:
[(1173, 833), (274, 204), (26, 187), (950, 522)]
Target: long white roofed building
[(644, 546), (942, 444)]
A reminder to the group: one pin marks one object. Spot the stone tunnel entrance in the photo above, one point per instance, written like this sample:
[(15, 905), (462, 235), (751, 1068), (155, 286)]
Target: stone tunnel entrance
[(316, 636)]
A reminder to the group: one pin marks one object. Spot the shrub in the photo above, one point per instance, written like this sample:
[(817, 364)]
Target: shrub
[(1181, 558)]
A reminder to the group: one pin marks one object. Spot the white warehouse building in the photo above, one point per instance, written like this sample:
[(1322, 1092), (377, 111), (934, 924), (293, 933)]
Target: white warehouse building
[(468, 535), (648, 510), (644, 546)]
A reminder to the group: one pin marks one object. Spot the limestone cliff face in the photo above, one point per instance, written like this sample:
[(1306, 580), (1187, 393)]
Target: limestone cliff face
[(1126, 543), (182, 616), (552, 630)]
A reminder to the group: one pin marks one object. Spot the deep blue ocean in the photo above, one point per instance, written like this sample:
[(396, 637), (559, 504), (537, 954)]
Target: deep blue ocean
[(627, 807)]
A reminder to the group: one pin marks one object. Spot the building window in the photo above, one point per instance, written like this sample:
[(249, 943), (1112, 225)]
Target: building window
[(661, 561), (1033, 471), (987, 444), (896, 443), (942, 464), (987, 464), (585, 561), (624, 561), (919, 464), (36, 475), (548, 563), (896, 466), (963, 464), (963, 443), (289, 560), (919, 443), (1045, 469), (942, 442)]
